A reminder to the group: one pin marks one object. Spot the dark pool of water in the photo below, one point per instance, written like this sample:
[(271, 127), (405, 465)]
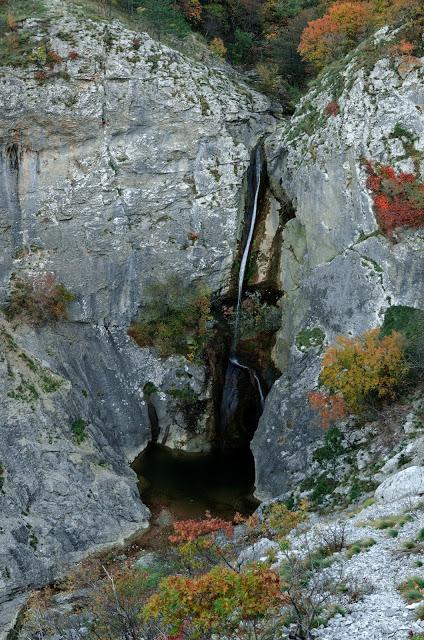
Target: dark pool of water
[(188, 484)]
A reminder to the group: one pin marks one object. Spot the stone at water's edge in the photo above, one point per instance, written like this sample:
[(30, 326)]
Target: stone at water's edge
[(106, 171), (338, 272)]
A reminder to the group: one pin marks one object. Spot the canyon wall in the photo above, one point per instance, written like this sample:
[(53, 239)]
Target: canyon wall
[(123, 165), (339, 272)]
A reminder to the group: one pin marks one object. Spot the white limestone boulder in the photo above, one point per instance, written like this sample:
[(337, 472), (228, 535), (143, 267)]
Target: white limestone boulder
[(408, 482)]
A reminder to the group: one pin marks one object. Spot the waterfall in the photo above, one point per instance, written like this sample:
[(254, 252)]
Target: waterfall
[(253, 375), (245, 257), (230, 392)]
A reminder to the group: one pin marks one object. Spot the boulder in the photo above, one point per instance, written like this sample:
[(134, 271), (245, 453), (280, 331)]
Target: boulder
[(408, 482), (257, 552)]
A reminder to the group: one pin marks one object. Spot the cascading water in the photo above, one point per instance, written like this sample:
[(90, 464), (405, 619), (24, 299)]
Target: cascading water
[(245, 256), (230, 392)]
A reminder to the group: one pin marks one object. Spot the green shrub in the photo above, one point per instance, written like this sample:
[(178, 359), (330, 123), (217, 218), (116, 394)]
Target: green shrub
[(241, 50), (258, 316), (333, 446), (174, 320), (149, 389), (78, 429), (410, 323)]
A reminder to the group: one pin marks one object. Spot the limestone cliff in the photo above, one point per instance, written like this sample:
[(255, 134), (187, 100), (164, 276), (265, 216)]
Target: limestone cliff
[(121, 166), (339, 272)]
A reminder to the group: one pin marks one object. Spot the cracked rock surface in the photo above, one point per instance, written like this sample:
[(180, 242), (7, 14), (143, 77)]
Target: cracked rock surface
[(125, 166), (339, 273)]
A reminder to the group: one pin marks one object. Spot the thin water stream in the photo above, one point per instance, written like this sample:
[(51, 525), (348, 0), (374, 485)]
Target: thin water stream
[(247, 246), (230, 392)]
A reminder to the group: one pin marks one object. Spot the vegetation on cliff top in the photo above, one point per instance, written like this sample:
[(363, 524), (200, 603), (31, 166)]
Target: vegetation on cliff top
[(285, 43)]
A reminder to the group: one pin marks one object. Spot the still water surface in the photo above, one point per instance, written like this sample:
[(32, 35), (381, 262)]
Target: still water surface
[(188, 485)]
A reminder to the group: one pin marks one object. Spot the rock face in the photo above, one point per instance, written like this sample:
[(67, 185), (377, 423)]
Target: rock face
[(125, 166), (338, 272), (408, 482)]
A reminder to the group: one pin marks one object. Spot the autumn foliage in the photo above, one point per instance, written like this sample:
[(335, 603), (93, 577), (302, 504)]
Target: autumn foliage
[(364, 368), (191, 530), (218, 47), (38, 300), (346, 23), (332, 108), (218, 601), (398, 198), (331, 407), (191, 9)]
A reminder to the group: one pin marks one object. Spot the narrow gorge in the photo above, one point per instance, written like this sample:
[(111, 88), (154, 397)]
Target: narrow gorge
[(178, 254)]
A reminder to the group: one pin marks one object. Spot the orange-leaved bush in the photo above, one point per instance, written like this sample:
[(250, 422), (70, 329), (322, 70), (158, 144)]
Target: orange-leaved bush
[(191, 530), (215, 602), (218, 47), (198, 543), (364, 368), (398, 197), (346, 23), (342, 26), (331, 407)]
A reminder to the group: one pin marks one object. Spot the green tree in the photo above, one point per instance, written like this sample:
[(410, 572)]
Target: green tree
[(163, 17), (241, 51)]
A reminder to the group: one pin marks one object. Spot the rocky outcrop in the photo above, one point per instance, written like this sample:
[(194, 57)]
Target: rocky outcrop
[(122, 166), (339, 273), (408, 482)]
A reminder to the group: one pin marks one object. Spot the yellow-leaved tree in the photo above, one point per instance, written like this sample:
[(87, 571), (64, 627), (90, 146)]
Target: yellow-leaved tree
[(364, 368)]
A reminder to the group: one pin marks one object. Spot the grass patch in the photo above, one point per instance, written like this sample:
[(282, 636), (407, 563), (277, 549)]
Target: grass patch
[(412, 589), (309, 338), (359, 546), (389, 522)]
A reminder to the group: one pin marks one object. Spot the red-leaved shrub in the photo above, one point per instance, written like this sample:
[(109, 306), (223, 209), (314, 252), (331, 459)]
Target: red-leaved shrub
[(331, 407), (332, 108), (398, 198)]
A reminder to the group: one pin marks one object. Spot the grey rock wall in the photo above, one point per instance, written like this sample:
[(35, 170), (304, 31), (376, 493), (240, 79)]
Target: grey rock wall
[(338, 272), (107, 167)]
